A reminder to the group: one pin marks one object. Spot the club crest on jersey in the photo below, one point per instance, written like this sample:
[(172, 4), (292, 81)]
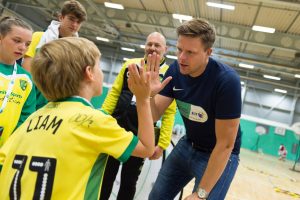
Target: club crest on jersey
[(23, 84)]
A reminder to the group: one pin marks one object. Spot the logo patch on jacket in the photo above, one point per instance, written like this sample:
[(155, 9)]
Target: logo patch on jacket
[(23, 84)]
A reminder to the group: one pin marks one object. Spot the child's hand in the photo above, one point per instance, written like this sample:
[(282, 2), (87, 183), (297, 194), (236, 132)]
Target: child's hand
[(139, 81)]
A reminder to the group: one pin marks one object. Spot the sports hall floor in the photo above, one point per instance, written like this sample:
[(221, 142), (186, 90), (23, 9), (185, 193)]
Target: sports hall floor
[(262, 177)]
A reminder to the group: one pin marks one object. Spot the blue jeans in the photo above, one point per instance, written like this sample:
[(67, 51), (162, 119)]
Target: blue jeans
[(182, 165)]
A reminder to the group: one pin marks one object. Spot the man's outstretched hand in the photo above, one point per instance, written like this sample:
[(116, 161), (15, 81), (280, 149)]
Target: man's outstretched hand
[(153, 64)]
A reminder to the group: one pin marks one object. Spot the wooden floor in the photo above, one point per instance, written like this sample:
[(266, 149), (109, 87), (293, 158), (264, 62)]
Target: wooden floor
[(262, 177)]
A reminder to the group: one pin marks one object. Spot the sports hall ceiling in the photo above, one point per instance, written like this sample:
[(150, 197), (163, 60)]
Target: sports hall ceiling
[(276, 54)]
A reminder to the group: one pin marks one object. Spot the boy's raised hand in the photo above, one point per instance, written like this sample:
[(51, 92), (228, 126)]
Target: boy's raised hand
[(139, 81), (143, 82)]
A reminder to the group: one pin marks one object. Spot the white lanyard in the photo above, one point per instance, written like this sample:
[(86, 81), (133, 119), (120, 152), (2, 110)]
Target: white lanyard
[(9, 89)]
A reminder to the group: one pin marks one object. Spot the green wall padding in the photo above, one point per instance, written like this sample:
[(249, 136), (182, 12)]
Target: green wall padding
[(178, 118), (98, 100), (268, 143)]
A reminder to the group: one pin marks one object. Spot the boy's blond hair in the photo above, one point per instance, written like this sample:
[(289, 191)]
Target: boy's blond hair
[(58, 68)]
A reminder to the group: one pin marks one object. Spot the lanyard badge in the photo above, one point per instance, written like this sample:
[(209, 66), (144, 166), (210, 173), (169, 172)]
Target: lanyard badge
[(9, 89)]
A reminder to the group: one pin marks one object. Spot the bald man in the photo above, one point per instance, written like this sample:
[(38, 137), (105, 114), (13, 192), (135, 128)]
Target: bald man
[(121, 104)]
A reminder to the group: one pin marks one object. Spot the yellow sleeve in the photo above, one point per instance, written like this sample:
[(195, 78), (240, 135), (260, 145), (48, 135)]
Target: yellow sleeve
[(112, 97), (36, 37), (167, 123)]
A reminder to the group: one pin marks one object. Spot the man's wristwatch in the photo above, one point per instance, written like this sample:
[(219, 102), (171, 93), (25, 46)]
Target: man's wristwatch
[(202, 194)]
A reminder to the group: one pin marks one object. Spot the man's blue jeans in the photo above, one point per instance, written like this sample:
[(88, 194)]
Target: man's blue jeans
[(182, 165)]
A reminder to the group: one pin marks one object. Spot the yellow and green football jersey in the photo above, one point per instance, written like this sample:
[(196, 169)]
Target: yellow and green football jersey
[(60, 152), (21, 100)]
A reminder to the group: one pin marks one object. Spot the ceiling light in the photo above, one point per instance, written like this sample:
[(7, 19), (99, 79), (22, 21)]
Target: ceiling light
[(182, 17), (297, 75), (263, 29), (272, 77), (280, 91), (171, 57), (125, 59), (127, 49), (102, 39), (243, 65), (142, 46), (114, 5), (219, 5)]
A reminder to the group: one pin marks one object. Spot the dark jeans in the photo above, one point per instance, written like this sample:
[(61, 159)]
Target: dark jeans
[(182, 165), (131, 170)]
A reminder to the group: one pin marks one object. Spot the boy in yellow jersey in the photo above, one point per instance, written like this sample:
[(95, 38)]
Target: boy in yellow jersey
[(120, 103), (60, 151), (17, 92)]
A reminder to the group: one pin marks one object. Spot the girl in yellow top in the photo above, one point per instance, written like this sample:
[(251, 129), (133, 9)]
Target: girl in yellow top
[(60, 151), (17, 92)]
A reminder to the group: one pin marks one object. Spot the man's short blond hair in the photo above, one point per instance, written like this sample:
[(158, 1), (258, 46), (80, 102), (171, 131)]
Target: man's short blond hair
[(58, 68), (199, 28)]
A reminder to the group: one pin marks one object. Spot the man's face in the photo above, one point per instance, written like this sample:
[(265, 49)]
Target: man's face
[(155, 43), (192, 55), (70, 24)]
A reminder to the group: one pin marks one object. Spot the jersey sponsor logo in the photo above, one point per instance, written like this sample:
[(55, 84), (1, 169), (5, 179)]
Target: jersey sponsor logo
[(198, 114), (23, 84), (44, 122), (176, 89), (192, 112)]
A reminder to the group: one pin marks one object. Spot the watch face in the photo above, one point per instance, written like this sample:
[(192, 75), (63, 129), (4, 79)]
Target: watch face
[(202, 193)]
